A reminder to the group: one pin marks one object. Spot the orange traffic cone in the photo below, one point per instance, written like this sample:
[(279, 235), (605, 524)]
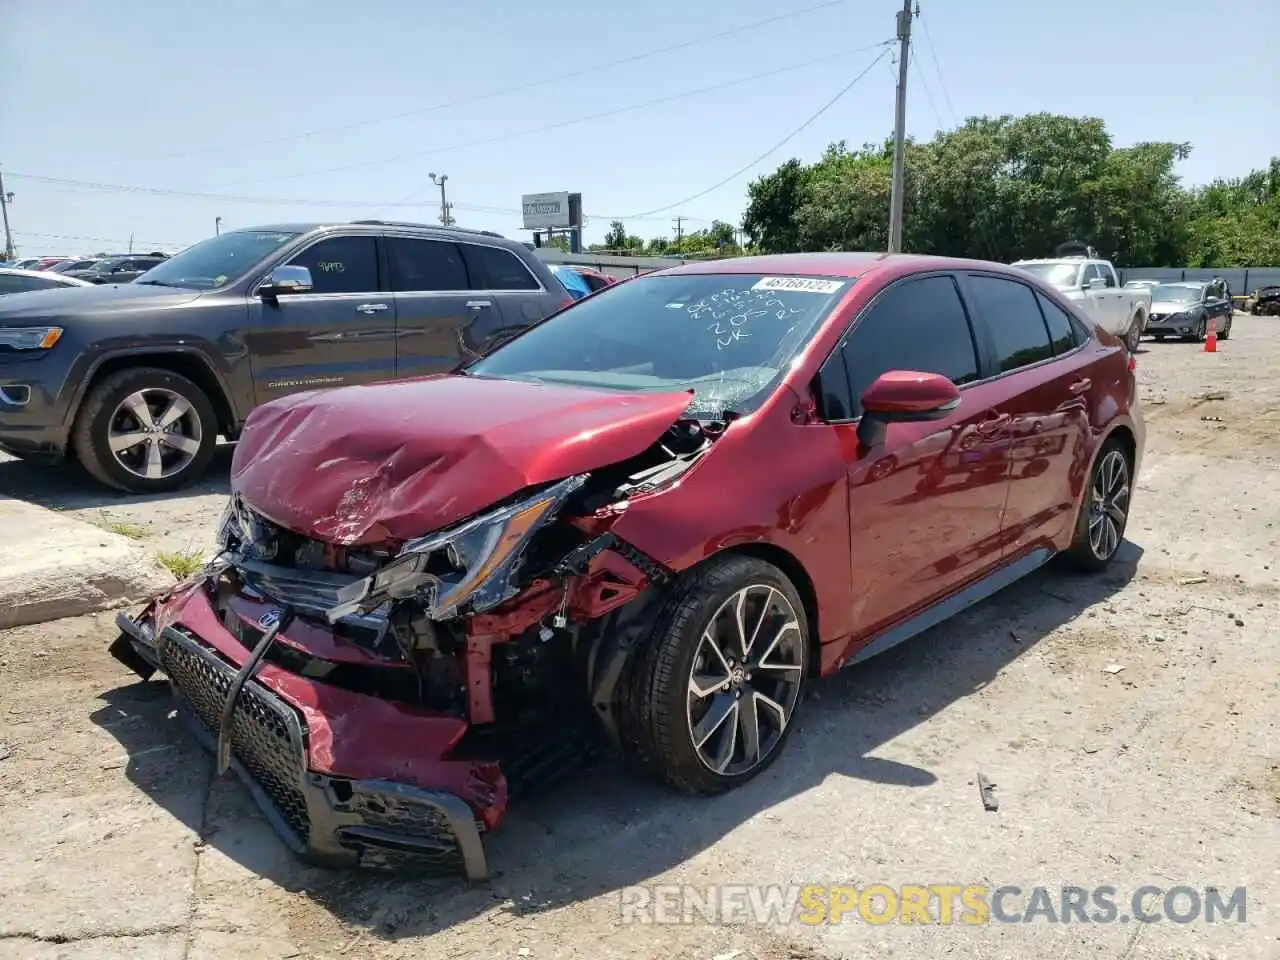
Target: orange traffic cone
[(1211, 340)]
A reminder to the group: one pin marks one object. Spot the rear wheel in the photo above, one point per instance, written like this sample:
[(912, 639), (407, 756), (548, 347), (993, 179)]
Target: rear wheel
[(1104, 511), (146, 430), (1134, 336), (711, 698)]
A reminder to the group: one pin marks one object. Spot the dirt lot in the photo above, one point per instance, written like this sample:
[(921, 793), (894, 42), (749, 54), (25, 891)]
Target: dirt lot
[(116, 842)]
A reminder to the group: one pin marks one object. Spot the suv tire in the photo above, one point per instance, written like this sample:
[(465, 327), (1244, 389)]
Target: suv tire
[(659, 709), (171, 421)]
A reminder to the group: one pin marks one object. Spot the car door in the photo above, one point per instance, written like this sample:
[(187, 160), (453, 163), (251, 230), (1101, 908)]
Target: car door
[(925, 506), (1044, 381), (1106, 299), (1217, 306), (435, 308), (504, 285), (341, 332)]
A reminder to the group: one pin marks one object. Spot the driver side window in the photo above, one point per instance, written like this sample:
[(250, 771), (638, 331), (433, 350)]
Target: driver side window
[(916, 325)]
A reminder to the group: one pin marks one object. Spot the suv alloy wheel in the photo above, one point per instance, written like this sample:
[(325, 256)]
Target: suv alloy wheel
[(146, 430)]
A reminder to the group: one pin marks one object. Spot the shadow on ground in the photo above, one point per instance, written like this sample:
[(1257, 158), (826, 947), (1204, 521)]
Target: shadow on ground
[(66, 486), (608, 829)]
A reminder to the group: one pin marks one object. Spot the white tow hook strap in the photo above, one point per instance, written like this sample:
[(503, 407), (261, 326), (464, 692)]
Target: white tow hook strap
[(237, 684)]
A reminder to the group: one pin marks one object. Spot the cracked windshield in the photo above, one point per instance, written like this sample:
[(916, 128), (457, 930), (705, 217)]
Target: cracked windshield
[(726, 337)]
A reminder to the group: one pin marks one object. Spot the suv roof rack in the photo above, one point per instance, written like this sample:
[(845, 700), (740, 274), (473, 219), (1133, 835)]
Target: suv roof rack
[(426, 226)]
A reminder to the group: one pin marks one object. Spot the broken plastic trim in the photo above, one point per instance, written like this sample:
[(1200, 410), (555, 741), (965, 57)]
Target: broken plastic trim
[(237, 684), (484, 552)]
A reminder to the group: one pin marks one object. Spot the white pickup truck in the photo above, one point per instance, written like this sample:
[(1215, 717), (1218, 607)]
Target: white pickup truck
[(1094, 285)]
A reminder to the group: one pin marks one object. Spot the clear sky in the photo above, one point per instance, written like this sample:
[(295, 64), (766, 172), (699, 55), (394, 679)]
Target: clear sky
[(347, 107)]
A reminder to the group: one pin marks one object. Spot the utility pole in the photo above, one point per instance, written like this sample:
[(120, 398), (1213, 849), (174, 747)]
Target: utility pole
[(446, 217), (5, 200), (900, 130), (217, 226), (679, 222)]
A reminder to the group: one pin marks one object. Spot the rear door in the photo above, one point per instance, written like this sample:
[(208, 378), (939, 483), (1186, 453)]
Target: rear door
[(1043, 376), (343, 332), (435, 308), (501, 282)]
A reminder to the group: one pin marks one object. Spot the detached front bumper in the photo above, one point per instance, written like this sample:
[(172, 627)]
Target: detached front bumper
[(345, 779)]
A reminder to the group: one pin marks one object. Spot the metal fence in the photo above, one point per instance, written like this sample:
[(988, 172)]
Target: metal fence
[(1242, 280)]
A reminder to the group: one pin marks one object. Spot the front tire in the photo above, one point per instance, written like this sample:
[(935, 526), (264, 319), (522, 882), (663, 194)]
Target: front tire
[(713, 694), (1104, 510), (146, 430)]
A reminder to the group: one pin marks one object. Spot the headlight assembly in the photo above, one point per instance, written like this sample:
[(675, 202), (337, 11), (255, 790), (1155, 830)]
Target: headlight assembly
[(469, 564), (242, 530), (30, 338)]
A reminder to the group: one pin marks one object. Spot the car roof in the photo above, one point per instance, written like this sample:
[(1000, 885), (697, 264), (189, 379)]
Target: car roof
[(58, 277), (850, 265), (308, 227)]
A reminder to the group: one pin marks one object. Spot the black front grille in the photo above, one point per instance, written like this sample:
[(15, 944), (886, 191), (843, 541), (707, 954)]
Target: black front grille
[(266, 735)]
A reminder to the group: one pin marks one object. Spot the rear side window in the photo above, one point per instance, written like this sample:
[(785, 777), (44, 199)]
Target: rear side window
[(1011, 313), (341, 265), (1061, 330), (11, 284), (426, 265), (493, 268), (916, 325)]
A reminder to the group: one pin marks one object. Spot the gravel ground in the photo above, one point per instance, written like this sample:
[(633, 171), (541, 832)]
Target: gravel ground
[(116, 842)]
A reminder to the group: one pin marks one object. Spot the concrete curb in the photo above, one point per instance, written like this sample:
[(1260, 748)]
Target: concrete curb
[(54, 566)]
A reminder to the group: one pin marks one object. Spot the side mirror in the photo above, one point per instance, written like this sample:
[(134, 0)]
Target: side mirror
[(285, 280), (904, 396)]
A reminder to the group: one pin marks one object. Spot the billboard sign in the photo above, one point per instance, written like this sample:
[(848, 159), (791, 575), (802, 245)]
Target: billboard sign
[(561, 210)]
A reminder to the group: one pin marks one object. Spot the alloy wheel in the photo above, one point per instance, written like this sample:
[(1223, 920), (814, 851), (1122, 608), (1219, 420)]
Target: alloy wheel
[(1109, 504), (154, 433), (745, 680)]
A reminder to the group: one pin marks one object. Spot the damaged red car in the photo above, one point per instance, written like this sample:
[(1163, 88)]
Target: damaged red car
[(644, 522)]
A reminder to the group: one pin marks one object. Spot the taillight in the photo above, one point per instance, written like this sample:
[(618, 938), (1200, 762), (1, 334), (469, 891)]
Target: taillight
[(1133, 362)]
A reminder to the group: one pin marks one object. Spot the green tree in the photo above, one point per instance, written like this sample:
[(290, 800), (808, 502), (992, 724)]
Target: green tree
[(1004, 188)]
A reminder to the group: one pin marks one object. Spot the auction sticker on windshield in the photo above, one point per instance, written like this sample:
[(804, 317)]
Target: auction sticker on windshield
[(799, 284)]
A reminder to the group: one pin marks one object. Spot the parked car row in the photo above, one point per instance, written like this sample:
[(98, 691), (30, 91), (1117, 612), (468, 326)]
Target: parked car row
[(120, 268)]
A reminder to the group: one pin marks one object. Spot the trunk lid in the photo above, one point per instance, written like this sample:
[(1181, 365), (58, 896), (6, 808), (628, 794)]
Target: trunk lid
[(367, 465)]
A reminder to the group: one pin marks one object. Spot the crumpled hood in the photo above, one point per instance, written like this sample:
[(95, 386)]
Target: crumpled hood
[(388, 462)]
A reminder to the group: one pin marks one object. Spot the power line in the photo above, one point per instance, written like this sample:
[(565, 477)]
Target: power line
[(928, 95), (937, 67), (560, 124), (153, 244), (504, 91), (93, 186), (776, 147)]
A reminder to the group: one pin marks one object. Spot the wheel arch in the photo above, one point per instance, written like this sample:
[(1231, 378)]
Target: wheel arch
[(184, 362), (795, 571)]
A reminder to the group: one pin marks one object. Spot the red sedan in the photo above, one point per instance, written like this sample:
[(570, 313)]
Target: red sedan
[(648, 520)]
